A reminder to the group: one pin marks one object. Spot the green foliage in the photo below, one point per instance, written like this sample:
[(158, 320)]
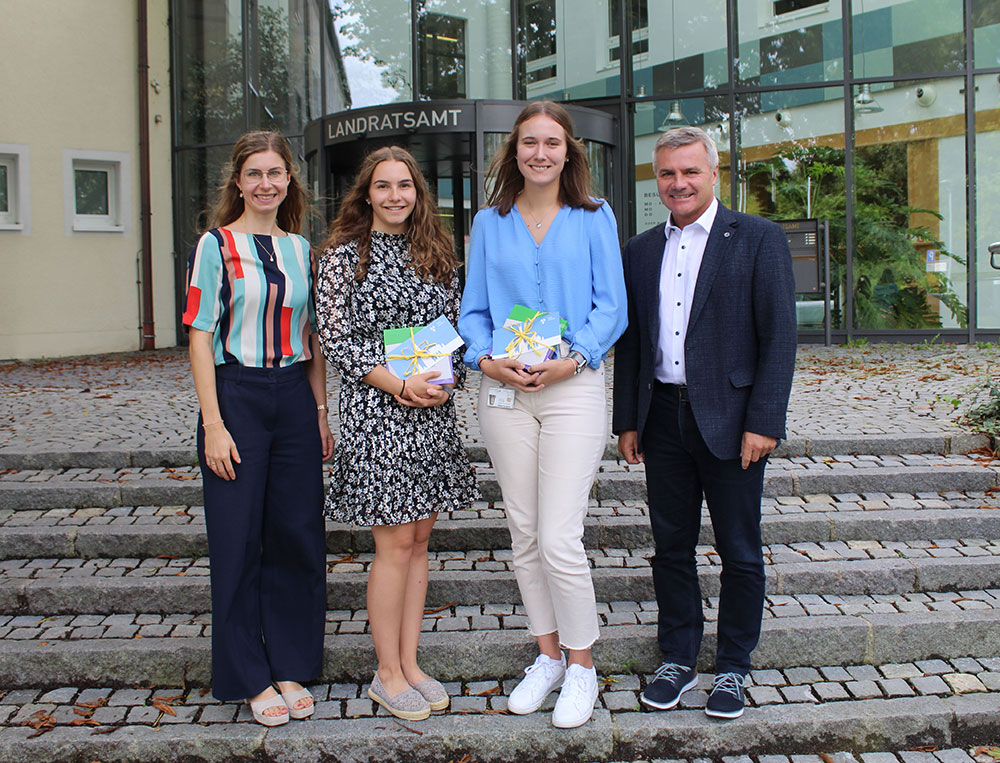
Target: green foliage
[(858, 341), (892, 288), (984, 416)]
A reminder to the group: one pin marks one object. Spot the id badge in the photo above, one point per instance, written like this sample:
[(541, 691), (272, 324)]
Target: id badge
[(500, 397)]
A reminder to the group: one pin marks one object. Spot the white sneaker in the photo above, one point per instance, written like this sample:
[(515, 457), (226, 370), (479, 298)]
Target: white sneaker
[(577, 698), (542, 676)]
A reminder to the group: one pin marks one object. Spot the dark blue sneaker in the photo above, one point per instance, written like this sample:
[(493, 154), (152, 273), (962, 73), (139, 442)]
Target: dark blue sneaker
[(667, 685), (726, 699)]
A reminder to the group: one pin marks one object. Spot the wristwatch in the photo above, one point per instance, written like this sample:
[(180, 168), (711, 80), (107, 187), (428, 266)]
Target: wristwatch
[(581, 362)]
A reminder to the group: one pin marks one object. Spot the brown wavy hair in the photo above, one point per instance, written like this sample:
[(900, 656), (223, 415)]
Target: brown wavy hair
[(508, 182), (431, 248), (228, 204)]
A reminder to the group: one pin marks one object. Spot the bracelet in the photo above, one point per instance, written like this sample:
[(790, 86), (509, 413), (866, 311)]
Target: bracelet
[(403, 390), (323, 407), (206, 426), (479, 362)]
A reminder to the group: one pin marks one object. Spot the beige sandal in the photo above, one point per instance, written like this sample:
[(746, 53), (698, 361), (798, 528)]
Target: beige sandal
[(292, 697), (258, 708)]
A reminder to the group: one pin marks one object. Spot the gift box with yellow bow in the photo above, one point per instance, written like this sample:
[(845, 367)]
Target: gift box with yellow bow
[(415, 349), (528, 336)]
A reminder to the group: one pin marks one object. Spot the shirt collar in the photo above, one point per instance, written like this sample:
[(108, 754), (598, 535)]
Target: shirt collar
[(704, 222)]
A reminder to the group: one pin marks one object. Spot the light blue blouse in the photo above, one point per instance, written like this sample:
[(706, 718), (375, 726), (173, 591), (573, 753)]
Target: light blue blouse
[(576, 272)]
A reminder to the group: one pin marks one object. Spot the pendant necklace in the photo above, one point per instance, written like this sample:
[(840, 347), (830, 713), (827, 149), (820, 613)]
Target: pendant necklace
[(270, 251), (538, 223)]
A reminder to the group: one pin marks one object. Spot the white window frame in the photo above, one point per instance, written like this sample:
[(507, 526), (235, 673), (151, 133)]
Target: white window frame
[(769, 17), (14, 156), (117, 165)]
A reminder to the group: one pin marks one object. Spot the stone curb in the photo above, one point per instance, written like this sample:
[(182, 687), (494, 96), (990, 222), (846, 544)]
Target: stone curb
[(859, 726), (491, 655), (185, 541), (618, 486), (946, 441), (171, 594)]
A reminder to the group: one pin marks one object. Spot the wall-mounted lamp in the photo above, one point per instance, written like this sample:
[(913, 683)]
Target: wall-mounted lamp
[(674, 119), (643, 105), (865, 102), (783, 118)]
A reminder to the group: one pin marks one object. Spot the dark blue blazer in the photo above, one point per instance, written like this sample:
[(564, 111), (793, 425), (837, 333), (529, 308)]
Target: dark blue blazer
[(739, 351)]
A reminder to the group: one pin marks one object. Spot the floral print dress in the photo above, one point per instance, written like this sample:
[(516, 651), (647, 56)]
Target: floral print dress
[(393, 464)]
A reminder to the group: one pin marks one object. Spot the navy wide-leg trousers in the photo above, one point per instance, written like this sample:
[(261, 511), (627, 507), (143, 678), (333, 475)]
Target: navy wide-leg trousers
[(680, 469), (266, 534)]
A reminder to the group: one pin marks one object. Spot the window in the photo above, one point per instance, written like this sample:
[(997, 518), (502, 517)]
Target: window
[(538, 39), (782, 7), (442, 56), (96, 187), (638, 11), (14, 187)]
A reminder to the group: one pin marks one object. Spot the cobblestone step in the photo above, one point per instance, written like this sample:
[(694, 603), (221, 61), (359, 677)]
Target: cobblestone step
[(934, 703), (951, 440), (482, 654), (797, 476), (165, 586), (148, 531)]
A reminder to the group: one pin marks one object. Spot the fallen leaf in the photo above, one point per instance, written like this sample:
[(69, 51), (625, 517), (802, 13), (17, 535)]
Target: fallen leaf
[(163, 708), (442, 608), (488, 692), (83, 722), (993, 752), (107, 730), (926, 748), (404, 726)]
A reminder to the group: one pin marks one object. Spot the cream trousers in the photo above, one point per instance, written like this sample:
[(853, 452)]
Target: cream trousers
[(546, 451)]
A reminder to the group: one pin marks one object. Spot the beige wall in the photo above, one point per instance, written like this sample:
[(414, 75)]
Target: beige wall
[(69, 293)]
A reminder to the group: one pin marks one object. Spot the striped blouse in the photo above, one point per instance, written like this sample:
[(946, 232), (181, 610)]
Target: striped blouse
[(254, 294)]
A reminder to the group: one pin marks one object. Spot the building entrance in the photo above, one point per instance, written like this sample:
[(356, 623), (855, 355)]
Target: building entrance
[(453, 141)]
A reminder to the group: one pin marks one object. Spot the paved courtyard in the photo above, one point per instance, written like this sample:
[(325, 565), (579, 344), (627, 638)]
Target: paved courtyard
[(146, 400)]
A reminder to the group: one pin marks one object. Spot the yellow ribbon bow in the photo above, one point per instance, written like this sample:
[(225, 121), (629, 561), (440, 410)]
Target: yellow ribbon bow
[(524, 336), (419, 353)]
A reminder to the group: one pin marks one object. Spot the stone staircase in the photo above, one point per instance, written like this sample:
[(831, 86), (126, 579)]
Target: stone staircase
[(881, 632)]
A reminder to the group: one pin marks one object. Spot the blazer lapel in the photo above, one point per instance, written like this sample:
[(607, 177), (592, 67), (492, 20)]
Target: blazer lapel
[(719, 243), (652, 261)]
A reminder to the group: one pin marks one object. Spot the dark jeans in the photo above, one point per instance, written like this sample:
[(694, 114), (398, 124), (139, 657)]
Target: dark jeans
[(679, 471), (266, 534)]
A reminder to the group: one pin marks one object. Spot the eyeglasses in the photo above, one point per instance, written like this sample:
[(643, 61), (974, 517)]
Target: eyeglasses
[(275, 175)]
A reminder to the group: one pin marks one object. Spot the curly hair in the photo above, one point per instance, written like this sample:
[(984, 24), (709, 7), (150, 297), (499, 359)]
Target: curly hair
[(431, 248), (507, 180), (228, 204)]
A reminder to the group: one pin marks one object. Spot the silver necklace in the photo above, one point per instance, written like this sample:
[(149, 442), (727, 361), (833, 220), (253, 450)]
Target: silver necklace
[(269, 250), (538, 223)]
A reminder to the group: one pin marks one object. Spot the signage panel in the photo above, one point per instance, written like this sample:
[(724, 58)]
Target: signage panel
[(400, 119)]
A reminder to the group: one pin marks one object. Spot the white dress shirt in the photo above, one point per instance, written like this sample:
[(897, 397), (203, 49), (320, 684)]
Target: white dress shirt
[(682, 256)]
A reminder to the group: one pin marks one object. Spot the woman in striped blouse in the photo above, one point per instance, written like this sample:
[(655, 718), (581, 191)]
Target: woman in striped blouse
[(262, 434)]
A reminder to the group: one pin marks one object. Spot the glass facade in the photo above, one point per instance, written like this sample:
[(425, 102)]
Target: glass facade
[(241, 65), (879, 116)]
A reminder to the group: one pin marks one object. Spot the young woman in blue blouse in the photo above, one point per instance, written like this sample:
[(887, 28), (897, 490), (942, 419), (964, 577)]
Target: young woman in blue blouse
[(262, 433), (545, 243)]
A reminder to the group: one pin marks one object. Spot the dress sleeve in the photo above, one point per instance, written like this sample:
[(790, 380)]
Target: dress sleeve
[(350, 345), (204, 284), (452, 309), (609, 316), (310, 272)]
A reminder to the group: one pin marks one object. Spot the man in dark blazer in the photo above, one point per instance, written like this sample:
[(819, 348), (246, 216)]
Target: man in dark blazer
[(702, 379)]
